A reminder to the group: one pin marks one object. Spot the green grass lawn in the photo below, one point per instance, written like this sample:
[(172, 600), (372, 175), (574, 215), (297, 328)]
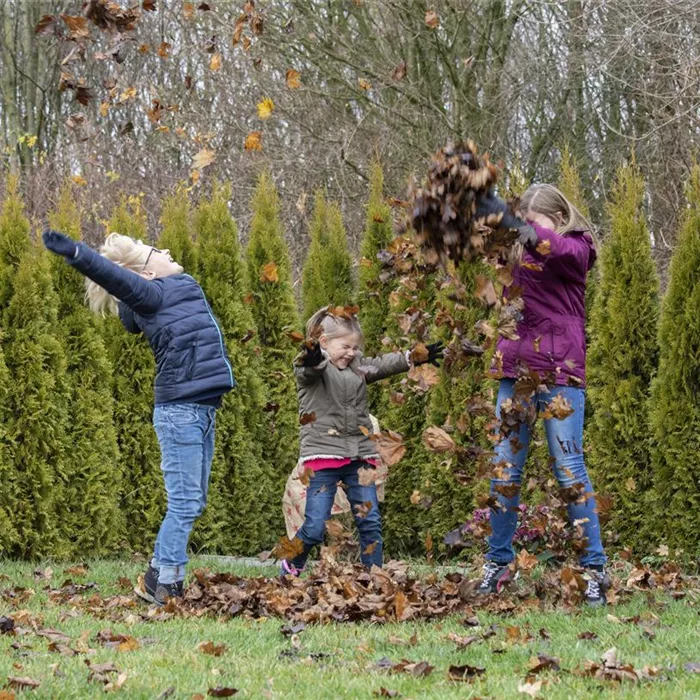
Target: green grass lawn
[(340, 660)]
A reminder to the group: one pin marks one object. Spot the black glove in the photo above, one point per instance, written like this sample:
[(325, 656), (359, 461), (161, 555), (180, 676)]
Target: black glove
[(435, 353), (489, 204), (528, 236), (60, 244), (311, 354)]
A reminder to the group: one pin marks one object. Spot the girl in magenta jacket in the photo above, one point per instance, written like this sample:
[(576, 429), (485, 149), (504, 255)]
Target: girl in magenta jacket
[(558, 251)]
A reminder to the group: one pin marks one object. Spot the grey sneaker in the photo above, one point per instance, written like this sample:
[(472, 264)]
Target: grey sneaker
[(165, 591), (150, 583), (496, 576), (598, 584)]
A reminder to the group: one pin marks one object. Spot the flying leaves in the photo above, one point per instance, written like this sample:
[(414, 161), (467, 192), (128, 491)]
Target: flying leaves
[(265, 108), (253, 141), (269, 272), (293, 79)]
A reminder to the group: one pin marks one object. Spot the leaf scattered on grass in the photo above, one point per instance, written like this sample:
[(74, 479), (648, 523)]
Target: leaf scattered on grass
[(212, 649), (465, 673)]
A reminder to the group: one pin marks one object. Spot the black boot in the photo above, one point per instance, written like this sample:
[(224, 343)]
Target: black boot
[(164, 591), (150, 583)]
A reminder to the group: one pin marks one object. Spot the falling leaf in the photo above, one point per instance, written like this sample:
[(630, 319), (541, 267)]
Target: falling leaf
[(204, 158), (364, 84), (46, 25), (79, 180), (369, 549), (390, 447), (485, 291), (288, 549), (188, 10), (212, 649), (662, 550), (215, 62), (544, 247), (269, 272), (307, 418), (437, 440), (293, 79), (265, 108), (149, 5), (164, 49), (431, 19), (559, 407), (631, 484), (253, 142), (295, 336), (419, 354), (78, 26)]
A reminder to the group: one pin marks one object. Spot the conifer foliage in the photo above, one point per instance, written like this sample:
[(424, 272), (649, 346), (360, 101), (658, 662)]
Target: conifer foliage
[(275, 314), (142, 492), (35, 401), (622, 359), (675, 410), (374, 287), (89, 514), (327, 277), (241, 492)]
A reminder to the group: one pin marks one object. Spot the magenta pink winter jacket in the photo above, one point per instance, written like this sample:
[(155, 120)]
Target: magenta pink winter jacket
[(552, 332)]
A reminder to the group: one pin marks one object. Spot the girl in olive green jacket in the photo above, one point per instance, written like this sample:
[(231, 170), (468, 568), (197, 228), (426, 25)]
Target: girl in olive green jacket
[(332, 378)]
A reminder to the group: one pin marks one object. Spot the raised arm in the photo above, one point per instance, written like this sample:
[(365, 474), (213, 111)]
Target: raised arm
[(569, 256), (126, 316), (138, 294), (310, 363), (383, 366)]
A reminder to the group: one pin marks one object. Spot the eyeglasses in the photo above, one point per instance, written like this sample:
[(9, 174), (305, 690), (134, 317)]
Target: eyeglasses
[(148, 257)]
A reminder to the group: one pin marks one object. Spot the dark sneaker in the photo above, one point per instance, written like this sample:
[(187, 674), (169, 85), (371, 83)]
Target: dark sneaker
[(165, 591), (496, 576), (598, 584), (150, 583), (288, 569)]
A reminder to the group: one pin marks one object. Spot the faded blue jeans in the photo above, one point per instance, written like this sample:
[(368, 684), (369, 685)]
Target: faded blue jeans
[(319, 502), (186, 435), (565, 440)]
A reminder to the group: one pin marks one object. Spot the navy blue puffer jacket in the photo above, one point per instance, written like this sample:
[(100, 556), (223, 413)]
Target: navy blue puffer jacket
[(174, 315)]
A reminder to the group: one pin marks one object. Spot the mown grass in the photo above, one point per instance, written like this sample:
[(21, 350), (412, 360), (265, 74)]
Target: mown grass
[(340, 660)]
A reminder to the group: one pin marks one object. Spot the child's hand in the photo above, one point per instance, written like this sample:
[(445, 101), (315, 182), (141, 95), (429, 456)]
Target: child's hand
[(435, 354), (311, 354), (59, 243)]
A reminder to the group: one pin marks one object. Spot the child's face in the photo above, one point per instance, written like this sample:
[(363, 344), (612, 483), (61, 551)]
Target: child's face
[(159, 263), (543, 220), (342, 349)]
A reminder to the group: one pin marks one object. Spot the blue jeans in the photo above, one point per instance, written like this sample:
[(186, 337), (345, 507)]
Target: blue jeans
[(565, 440), (186, 435), (319, 501)]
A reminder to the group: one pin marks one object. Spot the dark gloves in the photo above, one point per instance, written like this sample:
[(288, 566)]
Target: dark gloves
[(489, 204), (311, 355), (60, 244), (435, 353)]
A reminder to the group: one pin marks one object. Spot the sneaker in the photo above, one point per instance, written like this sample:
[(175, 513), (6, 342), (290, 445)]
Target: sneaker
[(598, 584), (165, 591), (150, 583), (288, 569), (496, 576)]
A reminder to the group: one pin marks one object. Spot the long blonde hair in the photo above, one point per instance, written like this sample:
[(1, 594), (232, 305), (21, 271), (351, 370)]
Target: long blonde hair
[(548, 200), (125, 252), (334, 322)]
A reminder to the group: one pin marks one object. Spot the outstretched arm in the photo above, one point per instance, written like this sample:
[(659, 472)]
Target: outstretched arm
[(132, 289)]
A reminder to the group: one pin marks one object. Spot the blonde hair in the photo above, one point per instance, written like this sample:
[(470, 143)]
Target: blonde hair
[(548, 200), (125, 252), (334, 322)]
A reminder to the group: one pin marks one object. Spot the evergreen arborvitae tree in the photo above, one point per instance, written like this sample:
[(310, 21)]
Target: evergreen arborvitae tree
[(176, 233), (327, 276), (460, 381), (674, 510), (275, 314), (243, 514), (89, 516), (404, 409), (142, 491), (36, 398), (373, 293), (622, 360)]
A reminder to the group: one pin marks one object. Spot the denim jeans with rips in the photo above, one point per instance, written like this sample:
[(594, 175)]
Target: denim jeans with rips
[(565, 441), (186, 435), (363, 502)]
